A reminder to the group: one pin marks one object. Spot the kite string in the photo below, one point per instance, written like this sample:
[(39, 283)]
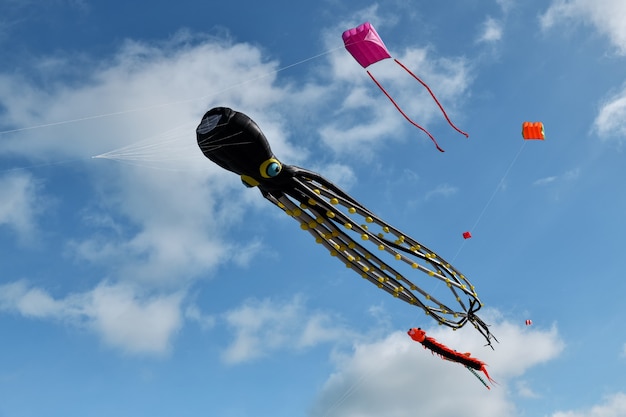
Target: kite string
[(155, 106), (493, 194), (484, 209)]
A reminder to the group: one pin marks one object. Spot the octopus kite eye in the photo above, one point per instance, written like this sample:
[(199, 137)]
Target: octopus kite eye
[(270, 168)]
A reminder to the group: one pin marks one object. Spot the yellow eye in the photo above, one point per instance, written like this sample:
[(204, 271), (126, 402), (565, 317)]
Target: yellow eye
[(270, 168)]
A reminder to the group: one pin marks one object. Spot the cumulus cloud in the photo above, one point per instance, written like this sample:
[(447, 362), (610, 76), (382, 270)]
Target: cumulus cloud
[(20, 203), (122, 317), (392, 375), (265, 326), (491, 31), (610, 123), (613, 406), (607, 16)]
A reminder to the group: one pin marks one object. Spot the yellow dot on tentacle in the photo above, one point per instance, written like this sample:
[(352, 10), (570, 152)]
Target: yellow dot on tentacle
[(312, 202), (368, 219), (304, 226), (333, 253), (364, 236), (401, 238), (352, 245), (347, 226), (337, 246), (289, 212), (386, 229), (380, 235), (281, 205), (368, 256), (413, 287), (365, 268), (335, 233), (297, 212), (431, 273), (350, 258), (334, 201), (318, 240), (381, 247), (317, 191), (319, 219), (364, 226), (330, 214), (414, 265), (428, 296), (303, 206), (398, 256), (351, 210), (312, 224)]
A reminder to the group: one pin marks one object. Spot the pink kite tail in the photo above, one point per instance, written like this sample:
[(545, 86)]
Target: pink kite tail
[(434, 98), (404, 114)]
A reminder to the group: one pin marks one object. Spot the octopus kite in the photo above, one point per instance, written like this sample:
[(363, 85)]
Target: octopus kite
[(371, 247), (367, 48)]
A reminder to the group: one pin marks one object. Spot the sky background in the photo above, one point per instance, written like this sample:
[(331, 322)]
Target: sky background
[(150, 282)]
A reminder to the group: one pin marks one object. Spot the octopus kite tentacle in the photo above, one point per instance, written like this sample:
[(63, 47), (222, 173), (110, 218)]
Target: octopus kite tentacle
[(377, 251), (445, 352)]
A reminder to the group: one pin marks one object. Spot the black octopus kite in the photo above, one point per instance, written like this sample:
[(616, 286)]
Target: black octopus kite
[(339, 222)]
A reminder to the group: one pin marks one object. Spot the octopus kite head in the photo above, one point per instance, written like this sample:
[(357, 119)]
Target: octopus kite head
[(235, 142), (417, 334)]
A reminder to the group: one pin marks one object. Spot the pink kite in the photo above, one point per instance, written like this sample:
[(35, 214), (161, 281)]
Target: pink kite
[(367, 48)]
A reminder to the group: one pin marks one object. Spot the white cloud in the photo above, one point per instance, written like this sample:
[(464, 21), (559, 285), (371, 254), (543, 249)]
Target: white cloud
[(491, 31), (168, 218), (569, 175), (20, 203), (545, 180), (393, 375), (443, 190), (614, 406), (123, 318), (265, 326), (610, 123), (607, 16)]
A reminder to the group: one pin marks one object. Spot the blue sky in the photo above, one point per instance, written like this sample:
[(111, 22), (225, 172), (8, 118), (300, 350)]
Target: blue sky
[(151, 282)]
